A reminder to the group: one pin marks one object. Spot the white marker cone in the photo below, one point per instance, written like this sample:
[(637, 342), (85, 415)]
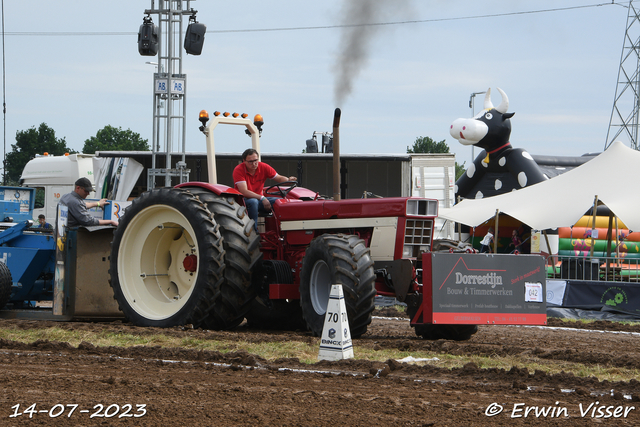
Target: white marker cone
[(335, 343)]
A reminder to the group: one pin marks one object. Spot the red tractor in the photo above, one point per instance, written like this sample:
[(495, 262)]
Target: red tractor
[(190, 255)]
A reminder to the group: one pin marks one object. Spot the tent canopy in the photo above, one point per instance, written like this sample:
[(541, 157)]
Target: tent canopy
[(563, 200)]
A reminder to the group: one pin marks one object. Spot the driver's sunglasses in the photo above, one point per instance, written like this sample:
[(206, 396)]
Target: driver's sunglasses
[(252, 161)]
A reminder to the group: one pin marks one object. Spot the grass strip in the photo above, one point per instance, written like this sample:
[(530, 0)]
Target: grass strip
[(308, 353)]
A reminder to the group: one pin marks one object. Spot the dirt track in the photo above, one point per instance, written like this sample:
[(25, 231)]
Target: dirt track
[(187, 387)]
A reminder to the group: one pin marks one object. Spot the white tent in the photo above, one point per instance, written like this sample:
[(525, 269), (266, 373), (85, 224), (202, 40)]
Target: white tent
[(563, 200)]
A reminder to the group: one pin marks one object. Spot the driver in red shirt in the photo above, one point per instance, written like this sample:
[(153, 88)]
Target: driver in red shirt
[(249, 178)]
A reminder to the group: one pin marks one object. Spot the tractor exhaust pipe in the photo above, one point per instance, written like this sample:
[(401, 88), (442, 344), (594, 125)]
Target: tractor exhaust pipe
[(336, 154)]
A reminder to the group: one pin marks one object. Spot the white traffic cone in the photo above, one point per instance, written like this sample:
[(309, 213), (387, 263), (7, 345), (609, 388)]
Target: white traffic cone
[(335, 343)]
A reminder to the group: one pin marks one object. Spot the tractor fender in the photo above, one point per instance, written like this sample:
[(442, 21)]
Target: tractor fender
[(217, 189)]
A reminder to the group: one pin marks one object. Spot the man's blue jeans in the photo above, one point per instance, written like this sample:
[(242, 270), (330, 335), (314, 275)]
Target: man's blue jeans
[(254, 206)]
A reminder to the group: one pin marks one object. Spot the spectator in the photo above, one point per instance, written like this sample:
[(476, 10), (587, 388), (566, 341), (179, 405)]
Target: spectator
[(516, 241), (485, 244), (43, 224), (78, 208)]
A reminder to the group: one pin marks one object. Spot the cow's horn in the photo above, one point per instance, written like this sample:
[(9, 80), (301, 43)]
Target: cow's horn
[(504, 105), (487, 100)]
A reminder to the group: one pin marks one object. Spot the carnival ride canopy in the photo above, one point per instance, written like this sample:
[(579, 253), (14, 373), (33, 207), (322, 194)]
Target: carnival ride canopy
[(563, 200)]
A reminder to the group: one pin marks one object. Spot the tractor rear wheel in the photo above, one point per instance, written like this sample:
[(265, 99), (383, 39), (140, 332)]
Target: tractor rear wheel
[(331, 260), (241, 244), (446, 332), (167, 260), (5, 284)]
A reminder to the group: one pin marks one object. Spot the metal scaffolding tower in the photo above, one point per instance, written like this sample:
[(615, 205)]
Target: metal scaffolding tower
[(170, 94), (625, 116)]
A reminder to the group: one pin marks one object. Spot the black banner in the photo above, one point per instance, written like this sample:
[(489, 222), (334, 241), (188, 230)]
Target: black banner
[(624, 297)]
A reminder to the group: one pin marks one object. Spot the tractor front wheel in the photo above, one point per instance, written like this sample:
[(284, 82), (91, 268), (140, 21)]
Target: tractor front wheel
[(167, 260), (331, 260)]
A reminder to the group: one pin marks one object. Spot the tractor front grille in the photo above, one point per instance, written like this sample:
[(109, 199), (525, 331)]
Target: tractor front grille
[(418, 233)]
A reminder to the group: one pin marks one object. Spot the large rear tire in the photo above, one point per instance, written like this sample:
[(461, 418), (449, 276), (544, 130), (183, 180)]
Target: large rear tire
[(5, 284), (166, 260), (241, 244), (337, 259)]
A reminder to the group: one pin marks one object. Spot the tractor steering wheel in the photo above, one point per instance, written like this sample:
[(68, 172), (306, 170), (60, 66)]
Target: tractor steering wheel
[(280, 191)]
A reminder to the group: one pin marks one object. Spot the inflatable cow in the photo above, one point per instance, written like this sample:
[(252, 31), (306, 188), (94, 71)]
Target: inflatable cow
[(499, 168)]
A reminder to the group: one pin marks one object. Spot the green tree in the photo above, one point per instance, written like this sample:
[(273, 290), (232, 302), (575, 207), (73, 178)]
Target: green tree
[(110, 138), (29, 143), (424, 144)]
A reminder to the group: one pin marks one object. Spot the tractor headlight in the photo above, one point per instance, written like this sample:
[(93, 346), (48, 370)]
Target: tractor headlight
[(422, 207)]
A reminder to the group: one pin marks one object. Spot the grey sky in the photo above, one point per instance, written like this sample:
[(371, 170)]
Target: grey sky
[(559, 70)]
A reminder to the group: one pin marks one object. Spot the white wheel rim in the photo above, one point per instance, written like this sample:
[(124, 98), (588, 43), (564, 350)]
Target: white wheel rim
[(150, 262), (320, 286)]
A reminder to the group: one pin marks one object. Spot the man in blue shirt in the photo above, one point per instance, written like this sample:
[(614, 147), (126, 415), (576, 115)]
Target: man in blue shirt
[(44, 225)]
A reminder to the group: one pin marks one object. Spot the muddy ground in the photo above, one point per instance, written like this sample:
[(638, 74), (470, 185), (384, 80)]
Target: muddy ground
[(145, 386)]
